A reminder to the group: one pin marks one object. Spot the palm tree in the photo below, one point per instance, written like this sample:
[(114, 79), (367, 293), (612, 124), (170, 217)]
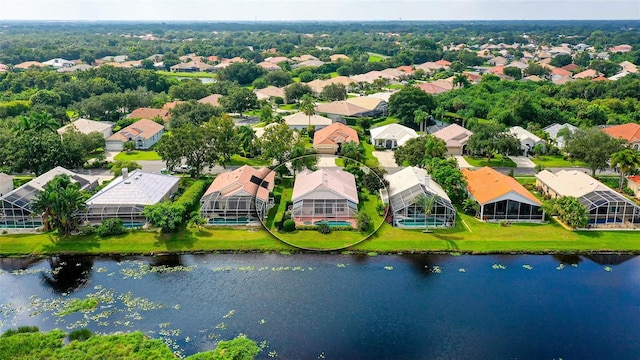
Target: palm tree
[(246, 136), (461, 80), (37, 121), (435, 147), (353, 151), (626, 160), (307, 106), (426, 203), (420, 117), (60, 203)]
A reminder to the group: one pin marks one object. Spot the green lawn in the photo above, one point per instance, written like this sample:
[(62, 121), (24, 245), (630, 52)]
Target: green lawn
[(387, 121), (138, 155), (524, 180), (238, 160), (556, 161), (187, 74), (497, 161), (370, 160), (373, 57), (289, 106)]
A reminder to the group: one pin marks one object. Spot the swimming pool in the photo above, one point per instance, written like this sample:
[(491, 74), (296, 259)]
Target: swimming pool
[(229, 221), (333, 223), (419, 222)]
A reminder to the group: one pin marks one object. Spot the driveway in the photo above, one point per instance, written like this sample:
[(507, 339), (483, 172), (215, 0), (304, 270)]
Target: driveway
[(326, 161), (522, 162), (462, 163), (385, 159)]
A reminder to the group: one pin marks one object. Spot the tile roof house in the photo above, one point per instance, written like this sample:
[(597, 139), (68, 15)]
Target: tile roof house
[(149, 113), (74, 68), (192, 66), (6, 184), (329, 140), (213, 100), (501, 197), (455, 137), (633, 183), (308, 63), (376, 105), (171, 104), (144, 133), (498, 60), (391, 136), (431, 88), (587, 74), (406, 69), (15, 206), (624, 48), (269, 66), (324, 196), (86, 126), (126, 196), (629, 67), (606, 207), (629, 132), (238, 197), (338, 57), (27, 64), (527, 139), (300, 121), (555, 128), (270, 92), (560, 72), (338, 109), (571, 67), (404, 189)]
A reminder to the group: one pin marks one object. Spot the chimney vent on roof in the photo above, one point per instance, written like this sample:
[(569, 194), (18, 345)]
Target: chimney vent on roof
[(125, 173)]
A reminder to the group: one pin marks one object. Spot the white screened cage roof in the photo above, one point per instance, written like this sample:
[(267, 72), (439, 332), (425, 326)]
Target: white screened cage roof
[(410, 177), (138, 188)]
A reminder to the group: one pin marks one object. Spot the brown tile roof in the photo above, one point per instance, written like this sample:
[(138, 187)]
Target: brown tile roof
[(443, 62), (406, 69), (589, 73), (487, 184), (27, 64), (144, 128), (171, 104), (335, 134), (635, 179), (255, 182), (341, 108), (571, 67), (430, 88), (600, 78), (497, 69), (149, 113), (560, 72), (213, 100), (629, 132)]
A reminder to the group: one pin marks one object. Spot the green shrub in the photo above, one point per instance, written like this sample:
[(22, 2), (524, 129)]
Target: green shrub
[(629, 191), (111, 227), (341, 228), (307, 227), (80, 335), (190, 199), (364, 221), (324, 228), (21, 330), (289, 225)]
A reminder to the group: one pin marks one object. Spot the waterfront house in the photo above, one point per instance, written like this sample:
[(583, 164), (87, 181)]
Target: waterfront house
[(391, 136), (607, 208), (329, 140), (144, 133), (325, 196), (15, 207), (126, 196), (403, 192), (455, 137), (6, 184), (501, 197), (238, 197)]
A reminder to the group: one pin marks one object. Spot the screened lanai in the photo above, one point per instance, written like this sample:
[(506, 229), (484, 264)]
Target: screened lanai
[(511, 210), (130, 214), (607, 208), (15, 211)]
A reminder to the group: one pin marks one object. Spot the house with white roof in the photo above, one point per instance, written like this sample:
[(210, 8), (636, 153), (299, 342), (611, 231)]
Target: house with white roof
[(15, 207), (391, 136), (300, 121), (403, 192), (126, 196), (607, 208), (238, 197), (555, 128), (59, 63), (144, 133), (527, 139), (6, 184), (455, 138), (86, 126), (325, 196)]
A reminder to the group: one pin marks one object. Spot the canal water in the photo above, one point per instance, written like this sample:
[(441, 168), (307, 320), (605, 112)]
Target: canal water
[(309, 306)]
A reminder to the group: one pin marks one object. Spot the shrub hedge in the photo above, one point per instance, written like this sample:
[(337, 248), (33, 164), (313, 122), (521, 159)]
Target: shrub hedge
[(190, 199)]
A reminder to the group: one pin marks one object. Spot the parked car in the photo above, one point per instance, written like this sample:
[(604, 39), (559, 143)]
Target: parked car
[(182, 169)]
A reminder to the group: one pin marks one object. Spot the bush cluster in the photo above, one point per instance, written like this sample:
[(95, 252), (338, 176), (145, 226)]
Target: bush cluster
[(190, 199), (288, 225), (111, 227)]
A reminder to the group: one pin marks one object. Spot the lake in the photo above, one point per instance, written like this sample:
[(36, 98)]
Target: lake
[(313, 306)]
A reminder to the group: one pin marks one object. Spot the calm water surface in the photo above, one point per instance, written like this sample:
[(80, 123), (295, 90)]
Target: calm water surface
[(345, 306)]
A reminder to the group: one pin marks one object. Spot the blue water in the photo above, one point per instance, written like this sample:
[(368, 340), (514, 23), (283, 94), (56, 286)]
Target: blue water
[(333, 223), (350, 307)]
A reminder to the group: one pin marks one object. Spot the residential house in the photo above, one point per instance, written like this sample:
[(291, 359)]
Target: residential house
[(59, 63), (431, 88), (269, 66), (329, 140), (270, 92), (325, 196), (372, 76), (429, 67), (144, 133), (409, 70), (149, 113), (300, 121), (587, 74), (3, 68), (606, 207), (391, 136), (238, 197), (6, 184), (308, 63), (376, 105), (560, 72), (628, 67), (74, 68), (86, 126), (619, 75), (192, 66), (171, 104), (624, 48), (277, 59), (501, 197), (395, 74), (403, 193), (527, 139), (629, 132), (555, 128), (498, 61), (338, 57), (455, 137), (27, 64), (571, 67), (15, 207), (126, 196), (633, 183), (213, 100), (339, 109)]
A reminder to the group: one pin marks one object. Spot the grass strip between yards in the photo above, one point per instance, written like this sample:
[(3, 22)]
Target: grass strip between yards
[(138, 155), (496, 161), (479, 238)]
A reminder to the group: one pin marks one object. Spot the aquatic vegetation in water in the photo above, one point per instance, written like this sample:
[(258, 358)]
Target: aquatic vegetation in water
[(229, 314), (221, 326), (75, 305), (388, 267), (498, 267), (528, 267), (372, 253), (101, 269), (262, 321), (144, 269), (462, 270), (342, 265), (560, 267), (272, 354), (607, 268), (436, 269)]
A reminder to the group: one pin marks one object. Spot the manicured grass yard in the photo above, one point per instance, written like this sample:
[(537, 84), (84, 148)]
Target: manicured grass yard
[(238, 160), (376, 57), (387, 121), (496, 161), (556, 161), (138, 155)]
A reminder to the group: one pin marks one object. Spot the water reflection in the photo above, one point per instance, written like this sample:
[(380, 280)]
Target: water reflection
[(167, 260), (568, 259), (68, 273), (11, 264), (609, 259)]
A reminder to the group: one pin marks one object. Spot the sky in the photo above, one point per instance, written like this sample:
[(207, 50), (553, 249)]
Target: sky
[(287, 10)]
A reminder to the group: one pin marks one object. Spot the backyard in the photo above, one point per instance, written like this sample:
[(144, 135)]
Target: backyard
[(556, 161), (497, 161)]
